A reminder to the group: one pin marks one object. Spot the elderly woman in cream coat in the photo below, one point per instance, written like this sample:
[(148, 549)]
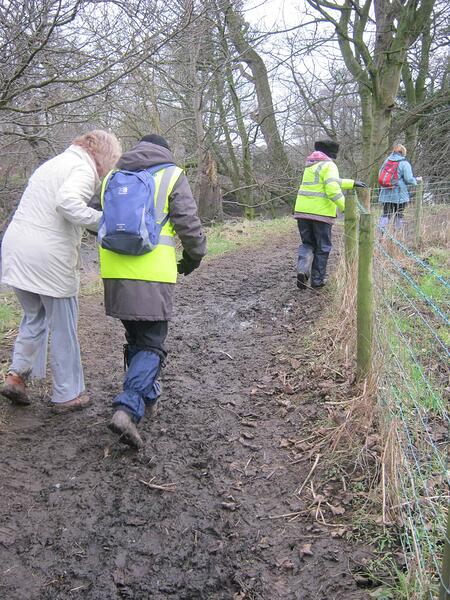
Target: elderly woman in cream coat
[(40, 261)]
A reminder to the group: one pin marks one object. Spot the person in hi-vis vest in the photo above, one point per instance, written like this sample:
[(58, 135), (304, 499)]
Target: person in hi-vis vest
[(139, 289), (319, 196)]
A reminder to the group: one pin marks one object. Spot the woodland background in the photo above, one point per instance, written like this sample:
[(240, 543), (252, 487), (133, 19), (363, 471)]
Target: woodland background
[(239, 104)]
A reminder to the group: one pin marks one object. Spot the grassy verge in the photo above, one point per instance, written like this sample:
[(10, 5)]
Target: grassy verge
[(395, 431), (10, 315), (413, 342), (227, 237)]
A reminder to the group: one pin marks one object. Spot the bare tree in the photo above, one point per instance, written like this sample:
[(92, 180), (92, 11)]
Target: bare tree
[(376, 66)]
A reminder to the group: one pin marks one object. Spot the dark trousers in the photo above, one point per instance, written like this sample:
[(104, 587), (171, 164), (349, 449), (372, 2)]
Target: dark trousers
[(314, 250), (147, 335), (144, 356), (392, 208)]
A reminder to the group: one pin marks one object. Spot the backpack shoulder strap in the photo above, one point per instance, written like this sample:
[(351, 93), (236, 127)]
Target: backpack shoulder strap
[(104, 184), (156, 168)]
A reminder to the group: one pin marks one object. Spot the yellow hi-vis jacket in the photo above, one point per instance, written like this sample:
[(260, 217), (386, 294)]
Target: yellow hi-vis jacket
[(321, 190), (161, 263)]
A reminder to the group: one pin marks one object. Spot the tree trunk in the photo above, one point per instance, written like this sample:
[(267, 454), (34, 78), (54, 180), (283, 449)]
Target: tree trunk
[(206, 186), (210, 198), (265, 115)]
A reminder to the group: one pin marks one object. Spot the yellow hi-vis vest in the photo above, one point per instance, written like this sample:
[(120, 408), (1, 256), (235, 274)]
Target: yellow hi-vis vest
[(321, 190), (161, 263)]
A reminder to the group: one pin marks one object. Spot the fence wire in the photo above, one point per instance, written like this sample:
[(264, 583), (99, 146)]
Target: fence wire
[(412, 345)]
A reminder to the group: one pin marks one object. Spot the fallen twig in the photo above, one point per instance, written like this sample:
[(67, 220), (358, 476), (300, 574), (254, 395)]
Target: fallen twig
[(285, 515), (226, 354), (167, 487), (316, 462)]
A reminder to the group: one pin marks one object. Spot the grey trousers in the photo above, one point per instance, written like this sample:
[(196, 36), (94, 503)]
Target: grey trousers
[(45, 316)]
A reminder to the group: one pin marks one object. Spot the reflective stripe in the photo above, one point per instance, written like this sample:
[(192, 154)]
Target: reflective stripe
[(337, 197), (319, 166), (314, 194), (167, 240), (333, 179), (161, 198)]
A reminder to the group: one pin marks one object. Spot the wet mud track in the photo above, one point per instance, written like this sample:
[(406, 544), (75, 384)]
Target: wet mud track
[(77, 519)]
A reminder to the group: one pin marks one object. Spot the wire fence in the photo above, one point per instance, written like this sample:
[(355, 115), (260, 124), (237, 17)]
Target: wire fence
[(411, 339), (435, 193)]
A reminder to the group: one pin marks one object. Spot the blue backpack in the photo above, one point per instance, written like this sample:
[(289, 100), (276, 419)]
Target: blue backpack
[(132, 217)]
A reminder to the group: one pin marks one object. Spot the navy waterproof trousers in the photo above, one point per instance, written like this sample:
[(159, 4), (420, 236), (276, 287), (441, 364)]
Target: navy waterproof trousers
[(144, 355), (314, 250)]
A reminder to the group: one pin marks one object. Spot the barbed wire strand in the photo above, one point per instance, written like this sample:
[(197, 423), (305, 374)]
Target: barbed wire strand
[(412, 354), (418, 312), (406, 275), (417, 498), (417, 259)]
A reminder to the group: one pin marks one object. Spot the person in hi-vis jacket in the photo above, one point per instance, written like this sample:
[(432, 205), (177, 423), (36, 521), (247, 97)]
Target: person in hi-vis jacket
[(139, 289), (319, 196)]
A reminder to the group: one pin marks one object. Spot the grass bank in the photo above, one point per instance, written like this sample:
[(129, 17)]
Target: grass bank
[(393, 432), (229, 236)]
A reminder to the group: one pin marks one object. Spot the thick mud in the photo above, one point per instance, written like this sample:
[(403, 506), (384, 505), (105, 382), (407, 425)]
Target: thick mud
[(77, 519)]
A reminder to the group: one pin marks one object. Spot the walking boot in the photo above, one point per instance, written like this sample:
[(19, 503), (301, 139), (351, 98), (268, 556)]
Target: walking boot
[(122, 424), (302, 279), (151, 410), (78, 403), (14, 389), (318, 284)]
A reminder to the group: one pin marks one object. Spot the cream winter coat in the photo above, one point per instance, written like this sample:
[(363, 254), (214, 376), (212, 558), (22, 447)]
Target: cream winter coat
[(41, 247)]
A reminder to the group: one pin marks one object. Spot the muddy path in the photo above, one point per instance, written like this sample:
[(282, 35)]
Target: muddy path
[(76, 519)]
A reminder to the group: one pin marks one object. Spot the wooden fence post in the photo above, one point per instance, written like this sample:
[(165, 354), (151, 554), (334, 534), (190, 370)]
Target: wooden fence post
[(350, 230), (444, 593), (365, 195), (364, 320), (418, 214)]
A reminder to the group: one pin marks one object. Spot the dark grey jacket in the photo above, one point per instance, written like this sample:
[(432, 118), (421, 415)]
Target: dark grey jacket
[(134, 300)]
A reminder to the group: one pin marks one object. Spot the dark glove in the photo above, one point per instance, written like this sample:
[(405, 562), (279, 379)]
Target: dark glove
[(360, 184), (187, 264)]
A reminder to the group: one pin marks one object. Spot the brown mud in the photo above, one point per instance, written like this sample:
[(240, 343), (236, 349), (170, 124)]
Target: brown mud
[(78, 521)]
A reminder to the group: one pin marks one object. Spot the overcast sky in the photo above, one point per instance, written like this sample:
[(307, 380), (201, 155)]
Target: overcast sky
[(272, 13)]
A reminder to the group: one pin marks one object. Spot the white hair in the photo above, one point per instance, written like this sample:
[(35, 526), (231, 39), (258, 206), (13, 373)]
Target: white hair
[(103, 147)]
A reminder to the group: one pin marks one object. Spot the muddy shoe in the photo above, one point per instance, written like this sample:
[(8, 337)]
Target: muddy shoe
[(78, 403), (318, 284), (302, 279), (151, 410), (15, 389), (123, 425)]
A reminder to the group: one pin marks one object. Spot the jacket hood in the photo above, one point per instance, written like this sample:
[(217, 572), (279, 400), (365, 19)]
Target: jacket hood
[(396, 156), (143, 156), (317, 156)]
